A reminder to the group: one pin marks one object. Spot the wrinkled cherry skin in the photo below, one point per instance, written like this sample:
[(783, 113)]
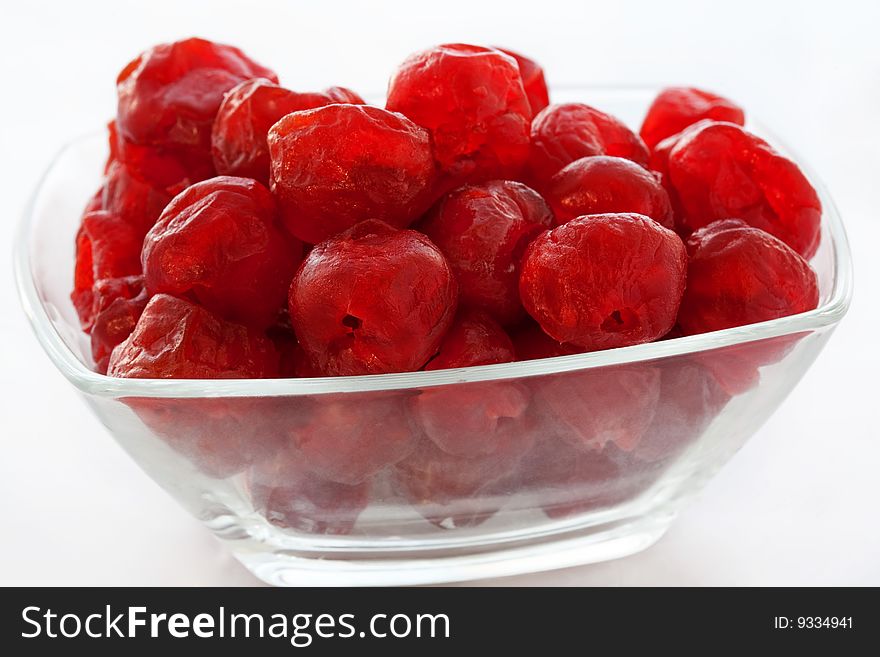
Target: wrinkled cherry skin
[(107, 247), (176, 339), (169, 94), (483, 230), (335, 166), (659, 164), (118, 304), (137, 202), (740, 275), (170, 169), (533, 81), (604, 281), (372, 300), (478, 418), (719, 170), (561, 134), (676, 108), (238, 138), (471, 99), (220, 243), (603, 184)]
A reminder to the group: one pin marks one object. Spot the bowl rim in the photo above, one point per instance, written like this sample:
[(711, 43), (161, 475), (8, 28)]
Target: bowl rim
[(827, 314)]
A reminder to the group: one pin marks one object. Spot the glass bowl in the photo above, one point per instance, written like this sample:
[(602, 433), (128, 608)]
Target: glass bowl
[(333, 480)]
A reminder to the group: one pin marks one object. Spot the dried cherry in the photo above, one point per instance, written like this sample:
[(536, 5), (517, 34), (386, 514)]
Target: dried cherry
[(137, 202), (372, 300), (533, 81), (477, 418), (690, 398), (676, 108), (458, 491), (107, 247), (169, 169), (602, 184), (335, 166), (219, 436), (238, 138), (471, 99), (289, 495), (169, 94), (719, 171), (117, 306), (176, 339), (604, 281), (561, 134), (221, 244), (566, 481), (739, 275), (593, 408), (347, 439), (473, 339), (483, 230)]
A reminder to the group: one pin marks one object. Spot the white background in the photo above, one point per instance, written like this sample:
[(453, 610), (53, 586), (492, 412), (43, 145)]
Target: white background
[(797, 506)]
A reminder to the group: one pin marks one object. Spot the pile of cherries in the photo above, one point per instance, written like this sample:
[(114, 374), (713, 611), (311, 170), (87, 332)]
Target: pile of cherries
[(245, 230)]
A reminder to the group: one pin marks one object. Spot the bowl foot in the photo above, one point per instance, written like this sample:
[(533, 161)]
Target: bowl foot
[(591, 545)]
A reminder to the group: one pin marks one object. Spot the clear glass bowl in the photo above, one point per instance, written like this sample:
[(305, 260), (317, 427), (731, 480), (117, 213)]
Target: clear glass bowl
[(594, 456)]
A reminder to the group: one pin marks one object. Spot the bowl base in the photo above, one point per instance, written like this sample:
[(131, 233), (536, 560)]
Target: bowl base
[(592, 545)]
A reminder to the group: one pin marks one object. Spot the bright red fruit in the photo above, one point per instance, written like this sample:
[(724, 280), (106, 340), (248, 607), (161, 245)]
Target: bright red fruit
[(738, 275), (372, 300), (118, 304), (83, 295), (220, 243), (471, 99), (477, 418), (169, 94), (719, 170), (604, 281), (483, 231), (675, 108), (561, 134), (602, 184), (238, 139), (533, 81), (473, 339), (171, 169), (138, 203), (176, 339), (106, 247), (335, 166)]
